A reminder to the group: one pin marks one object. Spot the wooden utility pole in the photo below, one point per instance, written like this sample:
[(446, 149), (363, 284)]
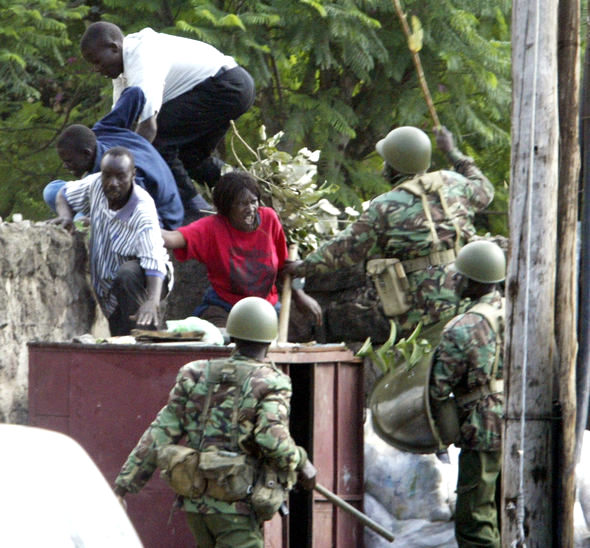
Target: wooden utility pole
[(568, 53), (530, 315), (583, 365)]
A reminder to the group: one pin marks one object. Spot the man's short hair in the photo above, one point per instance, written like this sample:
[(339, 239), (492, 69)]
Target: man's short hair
[(100, 33), (118, 152), (77, 137)]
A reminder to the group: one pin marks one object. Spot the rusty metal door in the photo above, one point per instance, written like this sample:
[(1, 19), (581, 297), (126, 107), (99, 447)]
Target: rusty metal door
[(105, 396)]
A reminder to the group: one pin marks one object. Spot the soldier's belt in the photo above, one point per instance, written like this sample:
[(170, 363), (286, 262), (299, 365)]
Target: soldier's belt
[(497, 387), (434, 259)]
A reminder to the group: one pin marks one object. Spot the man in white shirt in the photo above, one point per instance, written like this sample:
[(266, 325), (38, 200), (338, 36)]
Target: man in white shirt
[(129, 265), (192, 93)]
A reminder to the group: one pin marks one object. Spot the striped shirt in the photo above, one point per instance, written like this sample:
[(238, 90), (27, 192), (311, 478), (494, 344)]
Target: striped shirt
[(132, 232)]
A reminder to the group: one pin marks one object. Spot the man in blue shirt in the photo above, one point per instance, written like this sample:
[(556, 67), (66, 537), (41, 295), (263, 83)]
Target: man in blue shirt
[(81, 149)]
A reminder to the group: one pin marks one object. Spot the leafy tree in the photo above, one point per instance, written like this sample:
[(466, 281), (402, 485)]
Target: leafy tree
[(37, 76), (334, 76), (337, 76)]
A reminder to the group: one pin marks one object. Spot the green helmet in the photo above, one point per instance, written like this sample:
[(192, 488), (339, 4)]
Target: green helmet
[(252, 319), (482, 261), (407, 149)]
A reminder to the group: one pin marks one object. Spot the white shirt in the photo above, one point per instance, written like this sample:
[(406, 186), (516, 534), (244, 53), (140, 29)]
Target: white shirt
[(132, 232), (165, 66)]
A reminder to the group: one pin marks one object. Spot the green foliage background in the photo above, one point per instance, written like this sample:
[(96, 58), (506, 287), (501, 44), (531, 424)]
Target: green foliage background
[(334, 76)]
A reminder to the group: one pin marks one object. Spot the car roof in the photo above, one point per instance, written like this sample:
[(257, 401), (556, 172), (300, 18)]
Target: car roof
[(54, 495)]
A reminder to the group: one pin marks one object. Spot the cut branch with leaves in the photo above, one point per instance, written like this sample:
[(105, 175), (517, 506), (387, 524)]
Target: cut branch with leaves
[(407, 351), (288, 185)]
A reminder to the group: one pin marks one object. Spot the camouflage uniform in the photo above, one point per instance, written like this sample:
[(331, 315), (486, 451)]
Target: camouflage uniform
[(263, 423), (462, 363), (395, 225)]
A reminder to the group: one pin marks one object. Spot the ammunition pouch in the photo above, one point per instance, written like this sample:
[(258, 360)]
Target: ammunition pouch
[(270, 491), (229, 475), (223, 475), (446, 420), (391, 282), (179, 468), (392, 286), (446, 414)]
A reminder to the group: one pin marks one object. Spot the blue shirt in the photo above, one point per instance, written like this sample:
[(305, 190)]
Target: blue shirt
[(152, 172)]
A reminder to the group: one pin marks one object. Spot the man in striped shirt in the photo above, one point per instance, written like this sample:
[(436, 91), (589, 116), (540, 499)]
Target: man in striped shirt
[(129, 265)]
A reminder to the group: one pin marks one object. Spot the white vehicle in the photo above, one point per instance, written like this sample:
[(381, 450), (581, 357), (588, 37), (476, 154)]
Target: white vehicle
[(52, 495)]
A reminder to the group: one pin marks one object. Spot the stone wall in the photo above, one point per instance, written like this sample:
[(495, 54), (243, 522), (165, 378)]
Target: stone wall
[(44, 296)]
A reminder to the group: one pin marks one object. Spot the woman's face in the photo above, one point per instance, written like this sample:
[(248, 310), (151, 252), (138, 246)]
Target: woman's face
[(243, 214)]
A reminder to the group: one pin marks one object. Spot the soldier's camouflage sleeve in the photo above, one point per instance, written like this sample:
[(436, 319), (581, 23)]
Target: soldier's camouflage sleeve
[(167, 428), (448, 365), (463, 361), (360, 240), (482, 188)]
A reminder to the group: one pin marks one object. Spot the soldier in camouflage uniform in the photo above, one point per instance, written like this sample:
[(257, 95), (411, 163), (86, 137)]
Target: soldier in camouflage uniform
[(263, 428), (468, 364), (396, 224)]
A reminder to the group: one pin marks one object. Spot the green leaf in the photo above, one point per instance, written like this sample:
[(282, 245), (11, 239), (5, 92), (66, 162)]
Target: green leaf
[(9, 57), (232, 20), (317, 6), (417, 36)]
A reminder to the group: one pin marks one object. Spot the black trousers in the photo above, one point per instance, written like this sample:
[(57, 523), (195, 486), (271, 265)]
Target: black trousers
[(130, 290), (191, 125)]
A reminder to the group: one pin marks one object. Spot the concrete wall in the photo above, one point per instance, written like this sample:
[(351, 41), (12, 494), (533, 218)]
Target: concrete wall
[(44, 296)]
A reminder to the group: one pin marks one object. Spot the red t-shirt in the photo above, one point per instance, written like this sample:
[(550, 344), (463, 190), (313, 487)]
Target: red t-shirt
[(239, 264)]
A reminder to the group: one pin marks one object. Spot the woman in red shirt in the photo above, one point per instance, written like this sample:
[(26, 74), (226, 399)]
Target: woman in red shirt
[(243, 247)]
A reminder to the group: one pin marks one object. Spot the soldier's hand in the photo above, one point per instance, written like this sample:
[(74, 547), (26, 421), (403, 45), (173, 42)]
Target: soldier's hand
[(120, 494), (444, 139), (290, 267), (307, 475), (122, 502)]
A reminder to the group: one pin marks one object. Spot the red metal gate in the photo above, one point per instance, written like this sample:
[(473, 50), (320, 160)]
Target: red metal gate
[(104, 396)]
